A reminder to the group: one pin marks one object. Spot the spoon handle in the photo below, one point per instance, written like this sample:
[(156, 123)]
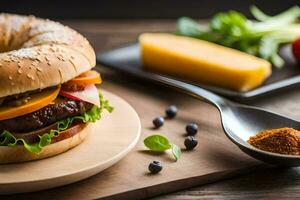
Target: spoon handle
[(187, 88), (192, 90)]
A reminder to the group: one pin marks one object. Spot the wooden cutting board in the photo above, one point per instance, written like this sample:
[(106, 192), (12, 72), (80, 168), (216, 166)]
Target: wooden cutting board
[(215, 157)]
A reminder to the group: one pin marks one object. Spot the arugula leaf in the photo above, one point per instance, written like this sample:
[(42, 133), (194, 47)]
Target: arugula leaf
[(7, 139), (159, 143), (233, 29)]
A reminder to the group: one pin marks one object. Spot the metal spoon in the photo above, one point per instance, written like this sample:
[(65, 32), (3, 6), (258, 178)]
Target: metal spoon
[(239, 121)]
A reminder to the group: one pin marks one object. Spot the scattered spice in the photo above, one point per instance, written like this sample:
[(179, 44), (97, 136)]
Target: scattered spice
[(281, 140)]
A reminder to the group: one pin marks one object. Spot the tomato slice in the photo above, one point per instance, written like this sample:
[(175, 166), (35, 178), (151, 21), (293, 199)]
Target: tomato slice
[(36, 102), (86, 78)]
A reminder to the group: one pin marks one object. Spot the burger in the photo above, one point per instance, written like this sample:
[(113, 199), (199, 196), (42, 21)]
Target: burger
[(48, 92)]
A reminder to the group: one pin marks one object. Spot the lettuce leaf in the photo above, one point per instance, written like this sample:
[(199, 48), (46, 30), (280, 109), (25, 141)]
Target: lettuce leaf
[(7, 139)]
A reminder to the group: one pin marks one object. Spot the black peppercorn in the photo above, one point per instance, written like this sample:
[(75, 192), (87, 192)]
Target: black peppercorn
[(171, 111), (191, 129), (155, 167), (190, 142), (158, 122)]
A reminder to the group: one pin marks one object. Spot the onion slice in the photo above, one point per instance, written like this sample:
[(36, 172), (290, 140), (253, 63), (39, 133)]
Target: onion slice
[(89, 94)]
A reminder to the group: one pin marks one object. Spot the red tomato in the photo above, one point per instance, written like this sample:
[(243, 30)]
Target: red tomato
[(296, 49)]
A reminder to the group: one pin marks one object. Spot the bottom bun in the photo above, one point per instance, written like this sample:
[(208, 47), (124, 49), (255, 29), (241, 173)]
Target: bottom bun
[(20, 154)]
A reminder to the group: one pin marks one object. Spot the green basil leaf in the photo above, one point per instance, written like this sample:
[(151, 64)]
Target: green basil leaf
[(157, 143), (176, 151)]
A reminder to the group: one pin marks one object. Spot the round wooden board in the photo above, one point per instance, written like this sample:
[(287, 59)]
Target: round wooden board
[(112, 138)]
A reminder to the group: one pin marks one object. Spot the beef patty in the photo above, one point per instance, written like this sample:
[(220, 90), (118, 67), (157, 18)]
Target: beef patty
[(60, 109)]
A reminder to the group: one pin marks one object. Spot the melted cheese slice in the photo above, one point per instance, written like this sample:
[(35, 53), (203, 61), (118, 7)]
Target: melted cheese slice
[(202, 61)]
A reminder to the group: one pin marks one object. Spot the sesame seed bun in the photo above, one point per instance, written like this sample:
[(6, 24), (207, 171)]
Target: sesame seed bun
[(38, 53)]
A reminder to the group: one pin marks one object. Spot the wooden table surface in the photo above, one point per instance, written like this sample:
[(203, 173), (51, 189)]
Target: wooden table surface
[(276, 183)]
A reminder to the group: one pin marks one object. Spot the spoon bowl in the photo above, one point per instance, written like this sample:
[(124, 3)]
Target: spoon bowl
[(240, 122)]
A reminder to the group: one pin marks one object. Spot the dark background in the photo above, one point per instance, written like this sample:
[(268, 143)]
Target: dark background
[(130, 9)]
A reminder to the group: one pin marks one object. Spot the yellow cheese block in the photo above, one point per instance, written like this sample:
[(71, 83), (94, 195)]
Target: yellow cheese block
[(202, 61)]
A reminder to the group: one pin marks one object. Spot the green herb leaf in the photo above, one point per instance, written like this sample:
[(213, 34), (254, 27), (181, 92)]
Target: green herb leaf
[(157, 143), (160, 143), (176, 151), (7, 139)]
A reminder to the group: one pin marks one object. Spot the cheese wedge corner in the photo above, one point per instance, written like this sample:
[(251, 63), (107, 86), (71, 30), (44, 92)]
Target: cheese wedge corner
[(202, 62)]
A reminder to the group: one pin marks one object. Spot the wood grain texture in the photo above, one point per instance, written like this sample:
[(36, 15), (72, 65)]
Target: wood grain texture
[(151, 100)]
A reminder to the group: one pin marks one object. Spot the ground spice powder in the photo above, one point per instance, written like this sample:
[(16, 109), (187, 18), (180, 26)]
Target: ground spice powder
[(281, 140)]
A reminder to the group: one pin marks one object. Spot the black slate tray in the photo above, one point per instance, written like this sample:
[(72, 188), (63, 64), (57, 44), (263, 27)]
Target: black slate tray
[(127, 59)]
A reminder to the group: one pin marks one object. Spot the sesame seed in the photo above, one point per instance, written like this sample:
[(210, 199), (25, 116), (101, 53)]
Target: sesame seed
[(19, 71), (10, 77)]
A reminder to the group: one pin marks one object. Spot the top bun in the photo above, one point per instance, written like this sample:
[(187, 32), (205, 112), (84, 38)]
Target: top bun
[(37, 53)]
